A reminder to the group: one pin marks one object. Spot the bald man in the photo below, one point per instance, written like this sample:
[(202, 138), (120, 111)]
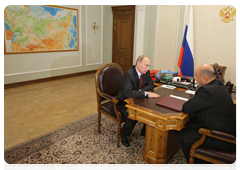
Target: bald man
[(131, 88), (212, 108)]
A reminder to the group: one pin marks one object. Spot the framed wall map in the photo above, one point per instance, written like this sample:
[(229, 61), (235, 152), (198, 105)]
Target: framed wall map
[(35, 28)]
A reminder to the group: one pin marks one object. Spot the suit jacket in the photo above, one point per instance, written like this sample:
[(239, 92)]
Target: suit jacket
[(214, 108), (130, 84)]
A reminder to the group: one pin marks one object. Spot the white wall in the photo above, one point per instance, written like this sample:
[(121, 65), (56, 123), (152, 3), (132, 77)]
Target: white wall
[(167, 24), (93, 43), (94, 50), (214, 40)]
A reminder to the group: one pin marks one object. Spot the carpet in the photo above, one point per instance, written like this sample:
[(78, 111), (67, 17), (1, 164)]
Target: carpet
[(80, 143)]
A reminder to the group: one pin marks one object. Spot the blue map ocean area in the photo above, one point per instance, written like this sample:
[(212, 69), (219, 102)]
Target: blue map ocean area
[(8, 29), (75, 21), (53, 11), (15, 36), (6, 26), (36, 9), (73, 31)]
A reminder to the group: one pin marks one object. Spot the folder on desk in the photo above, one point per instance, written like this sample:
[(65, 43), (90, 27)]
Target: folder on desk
[(171, 103)]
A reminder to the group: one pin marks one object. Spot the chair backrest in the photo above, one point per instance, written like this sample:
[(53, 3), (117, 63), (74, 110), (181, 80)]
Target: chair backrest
[(109, 78), (219, 71)]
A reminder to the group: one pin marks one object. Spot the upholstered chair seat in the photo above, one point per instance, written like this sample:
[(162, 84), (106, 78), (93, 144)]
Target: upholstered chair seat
[(216, 156), (227, 157)]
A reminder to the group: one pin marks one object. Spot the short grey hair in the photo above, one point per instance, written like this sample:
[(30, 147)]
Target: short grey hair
[(140, 58), (207, 72)]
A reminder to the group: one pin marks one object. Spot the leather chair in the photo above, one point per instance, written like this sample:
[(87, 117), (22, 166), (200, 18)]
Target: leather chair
[(108, 79), (216, 156), (219, 71)]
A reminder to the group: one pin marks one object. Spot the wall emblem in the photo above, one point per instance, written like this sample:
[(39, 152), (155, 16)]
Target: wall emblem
[(227, 14)]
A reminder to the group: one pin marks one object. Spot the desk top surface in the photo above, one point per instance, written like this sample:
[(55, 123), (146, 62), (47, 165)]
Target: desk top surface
[(150, 103), (233, 95)]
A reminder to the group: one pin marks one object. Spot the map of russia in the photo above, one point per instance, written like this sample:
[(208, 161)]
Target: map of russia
[(40, 28)]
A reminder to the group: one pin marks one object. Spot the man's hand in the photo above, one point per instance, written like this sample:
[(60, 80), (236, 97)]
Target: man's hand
[(153, 95)]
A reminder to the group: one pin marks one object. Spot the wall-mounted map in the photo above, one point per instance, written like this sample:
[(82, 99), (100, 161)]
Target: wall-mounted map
[(35, 28)]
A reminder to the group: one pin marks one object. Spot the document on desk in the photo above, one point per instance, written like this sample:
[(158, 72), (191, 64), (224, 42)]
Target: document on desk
[(190, 92), (178, 97), (172, 102), (168, 86)]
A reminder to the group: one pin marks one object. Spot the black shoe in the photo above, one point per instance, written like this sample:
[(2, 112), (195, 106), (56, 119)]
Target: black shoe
[(143, 133), (143, 130), (125, 142)]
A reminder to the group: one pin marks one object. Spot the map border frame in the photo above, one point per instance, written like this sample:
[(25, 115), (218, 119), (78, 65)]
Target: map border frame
[(42, 51)]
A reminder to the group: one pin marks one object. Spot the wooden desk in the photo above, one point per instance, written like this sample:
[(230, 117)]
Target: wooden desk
[(233, 95), (162, 125)]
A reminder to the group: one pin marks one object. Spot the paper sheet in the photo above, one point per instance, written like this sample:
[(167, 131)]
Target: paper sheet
[(190, 91), (168, 86), (178, 97)]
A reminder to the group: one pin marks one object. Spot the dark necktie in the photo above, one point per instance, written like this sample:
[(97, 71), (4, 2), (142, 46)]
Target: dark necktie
[(141, 82)]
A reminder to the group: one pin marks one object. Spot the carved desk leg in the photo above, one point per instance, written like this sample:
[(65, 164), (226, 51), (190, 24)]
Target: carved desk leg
[(157, 150)]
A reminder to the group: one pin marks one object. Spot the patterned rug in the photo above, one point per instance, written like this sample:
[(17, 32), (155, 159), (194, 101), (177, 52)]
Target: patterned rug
[(80, 143)]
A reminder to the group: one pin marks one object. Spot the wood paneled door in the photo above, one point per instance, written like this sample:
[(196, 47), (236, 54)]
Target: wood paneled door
[(123, 35)]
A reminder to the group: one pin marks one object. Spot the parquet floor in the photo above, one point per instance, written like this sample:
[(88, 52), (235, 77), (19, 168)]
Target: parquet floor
[(33, 110)]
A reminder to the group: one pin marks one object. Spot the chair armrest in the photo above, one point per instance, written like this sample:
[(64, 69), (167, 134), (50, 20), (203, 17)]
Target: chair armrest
[(111, 98), (108, 97), (218, 135), (214, 134), (196, 144)]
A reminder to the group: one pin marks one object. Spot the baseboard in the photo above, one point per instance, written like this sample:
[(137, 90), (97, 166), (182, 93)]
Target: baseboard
[(7, 86)]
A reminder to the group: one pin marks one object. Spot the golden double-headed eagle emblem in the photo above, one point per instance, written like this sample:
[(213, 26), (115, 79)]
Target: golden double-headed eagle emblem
[(227, 14)]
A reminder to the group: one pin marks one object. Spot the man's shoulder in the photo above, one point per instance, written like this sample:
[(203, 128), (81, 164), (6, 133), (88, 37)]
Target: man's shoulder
[(130, 71), (214, 84), (212, 87)]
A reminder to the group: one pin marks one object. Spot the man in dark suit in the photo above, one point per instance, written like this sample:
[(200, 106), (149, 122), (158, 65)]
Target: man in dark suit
[(134, 87), (212, 108)]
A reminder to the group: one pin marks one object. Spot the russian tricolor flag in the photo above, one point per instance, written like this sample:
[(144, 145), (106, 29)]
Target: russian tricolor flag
[(185, 62)]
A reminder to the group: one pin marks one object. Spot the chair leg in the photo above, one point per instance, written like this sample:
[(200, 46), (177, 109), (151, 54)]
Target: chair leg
[(191, 160), (118, 134), (99, 121)]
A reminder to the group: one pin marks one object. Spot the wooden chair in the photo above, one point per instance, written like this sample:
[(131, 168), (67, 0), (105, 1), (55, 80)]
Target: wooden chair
[(216, 156), (108, 79), (219, 71), (229, 87)]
